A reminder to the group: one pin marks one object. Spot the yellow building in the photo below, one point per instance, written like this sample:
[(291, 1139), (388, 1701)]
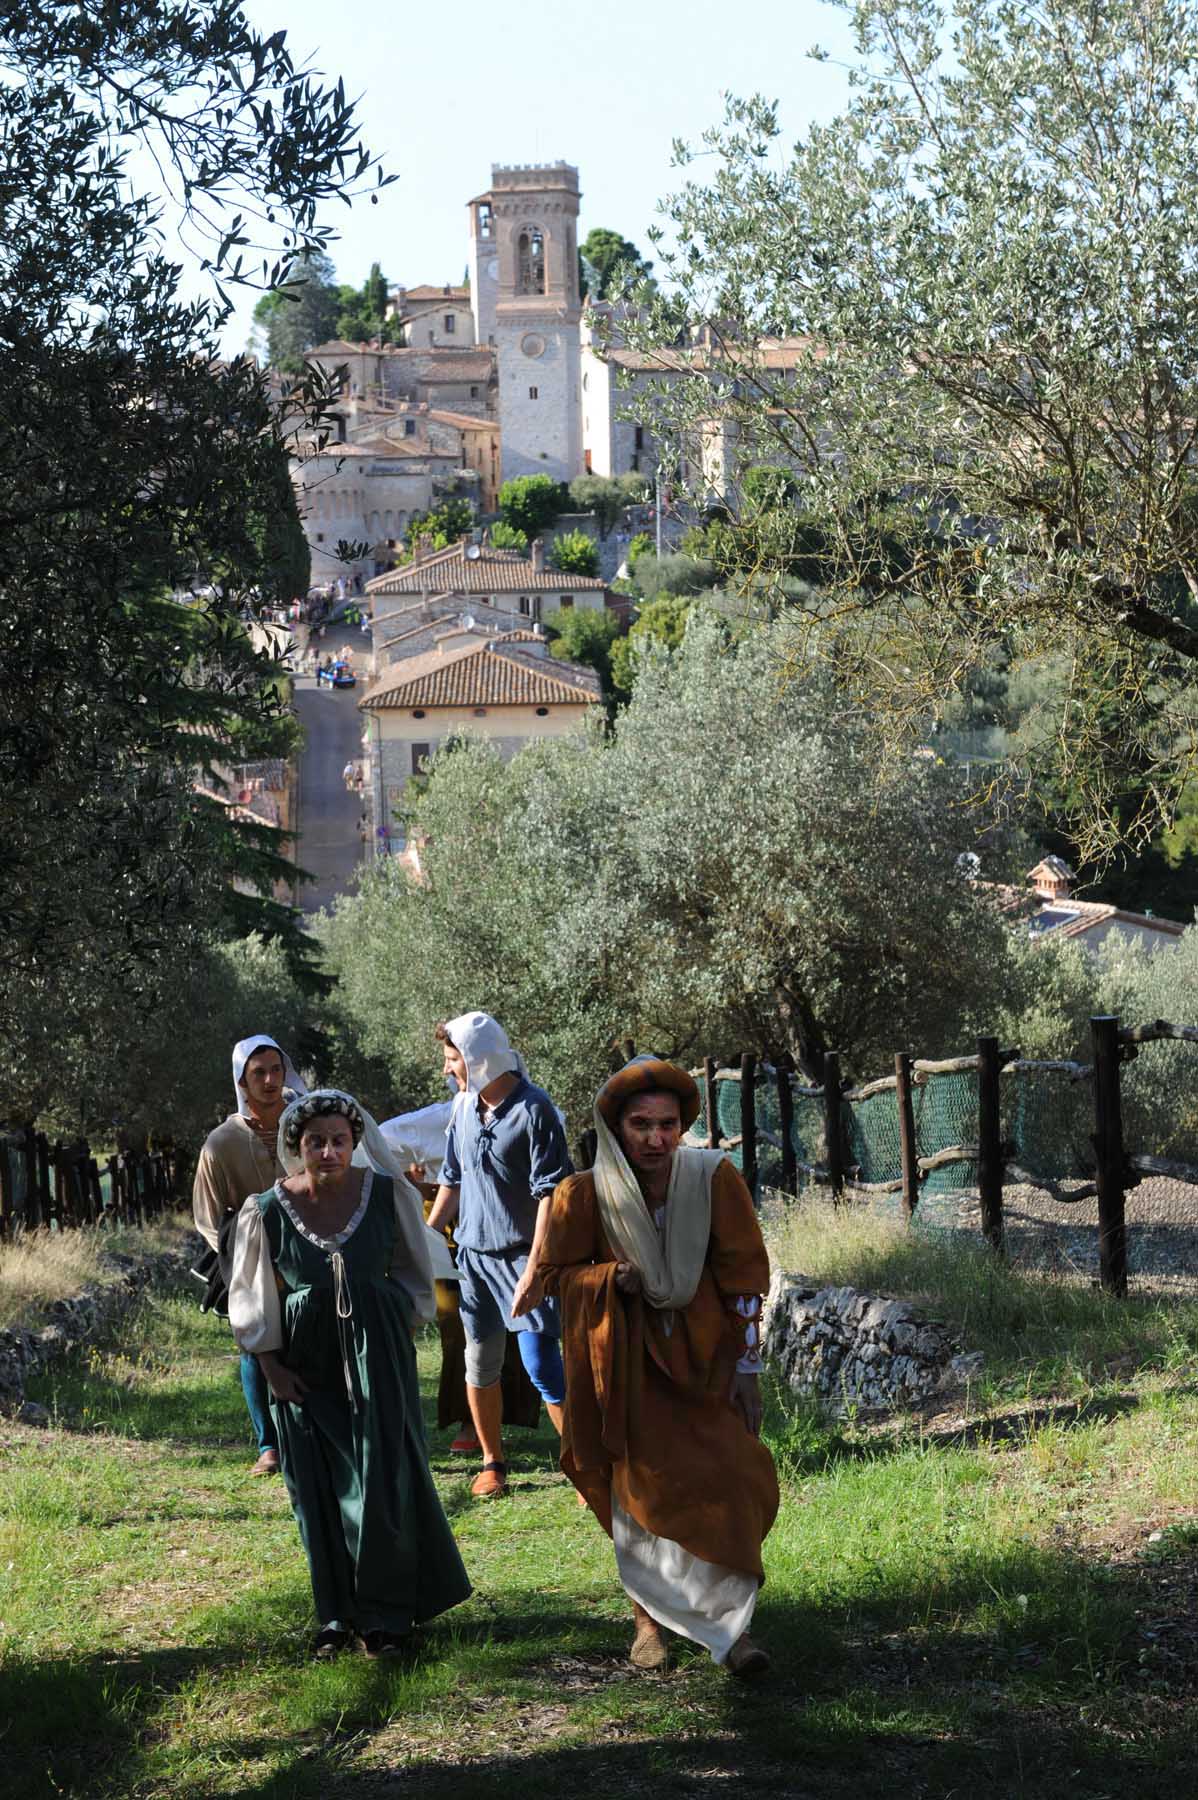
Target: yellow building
[(504, 689)]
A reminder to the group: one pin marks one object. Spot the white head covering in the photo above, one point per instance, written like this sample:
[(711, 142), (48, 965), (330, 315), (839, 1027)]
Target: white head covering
[(412, 1266), (242, 1051), (485, 1049), (672, 1260)]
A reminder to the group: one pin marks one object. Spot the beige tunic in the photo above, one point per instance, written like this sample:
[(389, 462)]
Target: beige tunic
[(233, 1164)]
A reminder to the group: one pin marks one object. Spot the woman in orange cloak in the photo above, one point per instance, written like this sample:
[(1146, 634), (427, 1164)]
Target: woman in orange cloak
[(659, 1263)]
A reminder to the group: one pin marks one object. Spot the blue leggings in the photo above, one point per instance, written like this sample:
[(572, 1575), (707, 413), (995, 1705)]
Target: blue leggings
[(257, 1402), (542, 1357)]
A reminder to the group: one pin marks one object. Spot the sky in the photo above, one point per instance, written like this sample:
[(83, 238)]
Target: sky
[(448, 87)]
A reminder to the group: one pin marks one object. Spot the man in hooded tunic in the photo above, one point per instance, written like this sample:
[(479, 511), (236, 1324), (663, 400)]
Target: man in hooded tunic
[(505, 1154), (238, 1159), (658, 1262)]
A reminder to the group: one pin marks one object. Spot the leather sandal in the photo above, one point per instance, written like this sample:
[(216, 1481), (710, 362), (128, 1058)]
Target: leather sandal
[(649, 1649), (491, 1483), (267, 1463), (747, 1659)]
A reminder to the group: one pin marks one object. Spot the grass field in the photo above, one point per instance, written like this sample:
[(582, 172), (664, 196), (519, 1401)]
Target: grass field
[(1004, 1604)]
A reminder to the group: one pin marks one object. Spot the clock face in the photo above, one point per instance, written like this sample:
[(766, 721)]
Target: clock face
[(491, 271), (532, 344)]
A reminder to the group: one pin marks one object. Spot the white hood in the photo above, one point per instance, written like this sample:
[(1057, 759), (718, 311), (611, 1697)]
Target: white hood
[(485, 1048), (242, 1052)]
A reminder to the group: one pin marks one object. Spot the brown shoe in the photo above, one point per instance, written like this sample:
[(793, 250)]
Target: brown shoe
[(267, 1463), (747, 1659), (491, 1483)]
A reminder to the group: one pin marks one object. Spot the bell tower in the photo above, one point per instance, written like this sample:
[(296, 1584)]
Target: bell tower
[(524, 287)]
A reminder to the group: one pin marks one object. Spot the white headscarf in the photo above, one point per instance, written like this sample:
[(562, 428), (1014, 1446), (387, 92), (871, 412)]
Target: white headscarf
[(670, 1262), (485, 1049), (242, 1051), (412, 1266)]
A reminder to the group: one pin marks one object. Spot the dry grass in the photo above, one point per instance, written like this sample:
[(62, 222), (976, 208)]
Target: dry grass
[(1040, 1330), (43, 1266)]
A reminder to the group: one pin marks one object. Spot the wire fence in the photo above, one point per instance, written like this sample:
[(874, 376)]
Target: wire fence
[(1061, 1165)]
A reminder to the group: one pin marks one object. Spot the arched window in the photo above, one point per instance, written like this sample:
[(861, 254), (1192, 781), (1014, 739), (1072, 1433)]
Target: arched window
[(530, 274)]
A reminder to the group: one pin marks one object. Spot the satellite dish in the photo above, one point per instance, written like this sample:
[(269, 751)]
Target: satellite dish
[(473, 551)]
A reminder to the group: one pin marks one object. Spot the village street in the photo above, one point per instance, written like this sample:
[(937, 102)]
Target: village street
[(329, 846)]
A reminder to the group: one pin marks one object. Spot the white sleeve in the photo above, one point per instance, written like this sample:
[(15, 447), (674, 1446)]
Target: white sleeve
[(254, 1311)]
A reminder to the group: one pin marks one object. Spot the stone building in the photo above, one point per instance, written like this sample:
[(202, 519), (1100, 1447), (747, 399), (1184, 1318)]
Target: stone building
[(440, 316), (524, 289), (504, 579), (502, 688)]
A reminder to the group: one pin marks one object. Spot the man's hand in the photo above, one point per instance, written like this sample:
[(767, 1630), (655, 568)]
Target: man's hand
[(284, 1383), (530, 1291), (745, 1395), (628, 1278)]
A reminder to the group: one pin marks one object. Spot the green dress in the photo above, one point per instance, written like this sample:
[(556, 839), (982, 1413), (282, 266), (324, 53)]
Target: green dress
[(379, 1546)]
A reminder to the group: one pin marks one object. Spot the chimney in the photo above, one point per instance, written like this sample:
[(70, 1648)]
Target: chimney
[(1051, 878), (537, 554)]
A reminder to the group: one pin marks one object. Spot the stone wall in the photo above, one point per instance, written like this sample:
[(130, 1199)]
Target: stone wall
[(859, 1350), (85, 1316)]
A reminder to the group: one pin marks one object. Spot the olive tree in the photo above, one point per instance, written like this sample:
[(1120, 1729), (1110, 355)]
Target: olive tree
[(964, 315), (144, 503), (728, 868)]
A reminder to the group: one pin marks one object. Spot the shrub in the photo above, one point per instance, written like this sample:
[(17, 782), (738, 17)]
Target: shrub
[(575, 553)]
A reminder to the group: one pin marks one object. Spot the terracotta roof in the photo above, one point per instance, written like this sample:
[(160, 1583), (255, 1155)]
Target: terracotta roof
[(382, 445), (342, 347), (480, 675), (1072, 918), (493, 572), (455, 365), (769, 353), (463, 421), (436, 293)]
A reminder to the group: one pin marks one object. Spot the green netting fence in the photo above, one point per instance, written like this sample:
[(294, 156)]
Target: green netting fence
[(1066, 1186)]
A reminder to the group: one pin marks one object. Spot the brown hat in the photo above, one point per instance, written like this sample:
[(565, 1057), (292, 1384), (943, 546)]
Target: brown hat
[(642, 1075)]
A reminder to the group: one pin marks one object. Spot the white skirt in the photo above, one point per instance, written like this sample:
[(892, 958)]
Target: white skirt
[(703, 1601)]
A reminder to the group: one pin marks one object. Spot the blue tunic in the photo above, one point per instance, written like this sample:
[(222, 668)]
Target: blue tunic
[(504, 1167)]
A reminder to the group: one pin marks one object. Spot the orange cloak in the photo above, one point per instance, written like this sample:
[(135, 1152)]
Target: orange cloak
[(647, 1414)]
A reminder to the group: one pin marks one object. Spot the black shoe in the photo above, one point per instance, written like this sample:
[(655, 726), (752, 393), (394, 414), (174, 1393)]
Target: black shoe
[(329, 1642)]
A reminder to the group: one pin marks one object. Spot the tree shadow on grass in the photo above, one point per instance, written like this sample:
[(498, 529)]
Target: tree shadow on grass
[(1019, 1678)]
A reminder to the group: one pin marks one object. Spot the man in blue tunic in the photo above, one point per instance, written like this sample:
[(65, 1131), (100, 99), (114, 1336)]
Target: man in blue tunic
[(505, 1153)]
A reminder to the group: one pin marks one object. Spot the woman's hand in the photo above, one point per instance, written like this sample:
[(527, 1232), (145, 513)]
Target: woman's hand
[(745, 1395), (283, 1382), (628, 1278)]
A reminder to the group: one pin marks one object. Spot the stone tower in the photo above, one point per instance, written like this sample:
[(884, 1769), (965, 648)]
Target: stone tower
[(524, 291)]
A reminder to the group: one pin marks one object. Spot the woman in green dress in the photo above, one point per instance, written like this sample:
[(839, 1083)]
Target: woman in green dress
[(331, 1270)]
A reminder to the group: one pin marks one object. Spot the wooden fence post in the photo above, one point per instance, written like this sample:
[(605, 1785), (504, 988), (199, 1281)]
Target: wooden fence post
[(990, 1153), (748, 1121), (786, 1114), (833, 1125), (42, 1212), (1108, 1152), (711, 1100), (908, 1155)]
